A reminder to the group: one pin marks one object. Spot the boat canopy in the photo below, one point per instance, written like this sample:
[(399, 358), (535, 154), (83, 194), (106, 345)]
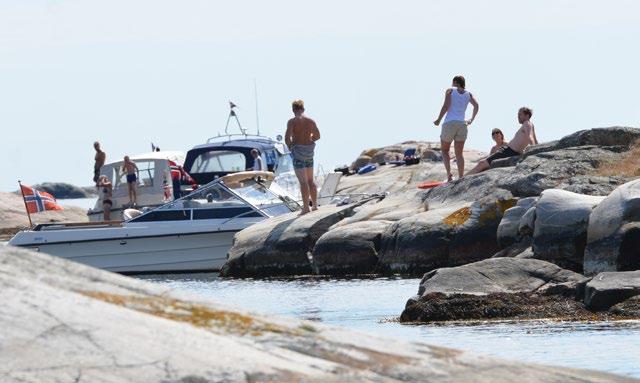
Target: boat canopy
[(218, 158)]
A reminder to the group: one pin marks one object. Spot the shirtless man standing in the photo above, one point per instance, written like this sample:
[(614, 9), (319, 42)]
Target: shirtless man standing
[(100, 159), (132, 171), (301, 136), (524, 137)]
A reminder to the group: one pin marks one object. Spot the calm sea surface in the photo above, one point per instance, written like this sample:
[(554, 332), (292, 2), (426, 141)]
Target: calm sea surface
[(370, 305)]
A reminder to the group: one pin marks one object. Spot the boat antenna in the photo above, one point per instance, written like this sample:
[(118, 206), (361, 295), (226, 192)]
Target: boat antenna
[(232, 113), (255, 93)]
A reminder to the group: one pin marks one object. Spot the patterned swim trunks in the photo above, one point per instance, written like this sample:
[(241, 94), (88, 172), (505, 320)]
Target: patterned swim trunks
[(302, 164)]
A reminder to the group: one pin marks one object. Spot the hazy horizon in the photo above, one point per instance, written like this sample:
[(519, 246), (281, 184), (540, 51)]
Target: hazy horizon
[(371, 73)]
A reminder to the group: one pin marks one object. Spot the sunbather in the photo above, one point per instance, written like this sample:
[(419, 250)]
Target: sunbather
[(498, 138), (524, 137)]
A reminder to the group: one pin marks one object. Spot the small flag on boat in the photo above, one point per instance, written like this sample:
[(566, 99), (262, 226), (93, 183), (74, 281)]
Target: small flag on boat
[(37, 201), (232, 105)]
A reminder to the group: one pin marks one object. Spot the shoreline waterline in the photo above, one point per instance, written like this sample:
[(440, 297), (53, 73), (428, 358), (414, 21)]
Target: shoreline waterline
[(371, 306)]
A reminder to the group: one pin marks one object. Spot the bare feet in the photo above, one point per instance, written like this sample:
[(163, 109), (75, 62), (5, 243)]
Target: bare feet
[(303, 212), (449, 177)]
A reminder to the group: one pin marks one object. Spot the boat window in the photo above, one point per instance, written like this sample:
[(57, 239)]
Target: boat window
[(276, 210), (165, 215), (219, 161), (146, 171), (239, 212), (255, 193)]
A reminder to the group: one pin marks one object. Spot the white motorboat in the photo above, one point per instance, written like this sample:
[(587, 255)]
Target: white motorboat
[(193, 233), (154, 185)]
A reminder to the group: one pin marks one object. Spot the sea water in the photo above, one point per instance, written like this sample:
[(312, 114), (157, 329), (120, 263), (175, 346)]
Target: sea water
[(373, 305)]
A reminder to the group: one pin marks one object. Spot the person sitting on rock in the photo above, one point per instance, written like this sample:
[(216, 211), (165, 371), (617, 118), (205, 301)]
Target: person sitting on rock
[(498, 138), (524, 137)]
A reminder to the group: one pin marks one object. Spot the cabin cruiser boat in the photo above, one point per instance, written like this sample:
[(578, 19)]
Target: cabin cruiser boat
[(193, 233), (154, 183)]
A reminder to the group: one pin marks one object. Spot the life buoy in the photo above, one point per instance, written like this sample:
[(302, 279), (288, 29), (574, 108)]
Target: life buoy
[(367, 168), (429, 184)]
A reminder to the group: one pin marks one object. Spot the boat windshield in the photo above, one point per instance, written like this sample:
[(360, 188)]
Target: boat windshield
[(214, 196), (262, 198), (219, 161)]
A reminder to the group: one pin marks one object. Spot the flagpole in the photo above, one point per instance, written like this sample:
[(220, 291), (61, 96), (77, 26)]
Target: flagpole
[(24, 199)]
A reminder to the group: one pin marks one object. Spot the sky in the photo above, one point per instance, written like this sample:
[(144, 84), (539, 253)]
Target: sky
[(371, 73)]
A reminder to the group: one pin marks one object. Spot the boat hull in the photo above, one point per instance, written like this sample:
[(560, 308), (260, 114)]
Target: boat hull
[(191, 252)]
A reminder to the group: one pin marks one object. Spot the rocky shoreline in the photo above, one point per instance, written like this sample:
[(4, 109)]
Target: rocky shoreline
[(555, 210), (65, 321)]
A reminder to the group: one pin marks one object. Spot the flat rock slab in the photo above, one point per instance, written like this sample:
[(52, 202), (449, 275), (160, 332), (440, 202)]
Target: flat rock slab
[(610, 288), (66, 322), (506, 288), (497, 275)]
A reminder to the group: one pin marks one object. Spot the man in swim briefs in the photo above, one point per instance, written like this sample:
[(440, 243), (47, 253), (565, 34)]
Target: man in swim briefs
[(524, 137), (301, 136), (131, 169)]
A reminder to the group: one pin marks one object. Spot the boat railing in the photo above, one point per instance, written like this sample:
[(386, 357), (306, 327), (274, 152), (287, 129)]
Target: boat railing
[(229, 137)]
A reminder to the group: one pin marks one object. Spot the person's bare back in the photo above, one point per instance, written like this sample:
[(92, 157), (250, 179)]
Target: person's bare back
[(301, 130)]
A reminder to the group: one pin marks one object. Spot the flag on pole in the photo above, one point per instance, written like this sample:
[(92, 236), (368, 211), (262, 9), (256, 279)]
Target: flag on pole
[(37, 201)]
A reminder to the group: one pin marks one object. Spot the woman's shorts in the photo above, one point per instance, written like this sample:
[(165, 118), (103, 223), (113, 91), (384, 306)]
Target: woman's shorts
[(454, 131)]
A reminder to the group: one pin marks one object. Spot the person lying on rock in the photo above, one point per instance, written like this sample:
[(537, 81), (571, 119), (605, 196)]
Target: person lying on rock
[(498, 138), (524, 137)]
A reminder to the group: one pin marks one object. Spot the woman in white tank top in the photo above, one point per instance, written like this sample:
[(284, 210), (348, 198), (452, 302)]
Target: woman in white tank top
[(454, 129)]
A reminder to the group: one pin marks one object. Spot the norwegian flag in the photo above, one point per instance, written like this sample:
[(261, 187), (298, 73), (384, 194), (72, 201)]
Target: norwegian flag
[(38, 201)]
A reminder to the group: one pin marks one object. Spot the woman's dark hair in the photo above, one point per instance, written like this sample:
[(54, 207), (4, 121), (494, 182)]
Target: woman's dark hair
[(460, 81)]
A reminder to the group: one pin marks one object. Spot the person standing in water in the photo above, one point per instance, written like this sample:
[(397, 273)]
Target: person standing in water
[(99, 159), (132, 171), (301, 136), (454, 129)]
